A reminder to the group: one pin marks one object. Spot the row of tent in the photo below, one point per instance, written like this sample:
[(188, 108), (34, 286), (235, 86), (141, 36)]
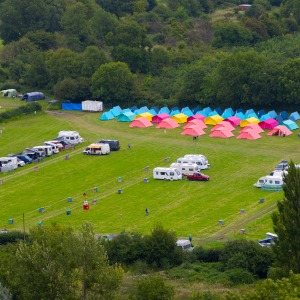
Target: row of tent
[(223, 129), (129, 114)]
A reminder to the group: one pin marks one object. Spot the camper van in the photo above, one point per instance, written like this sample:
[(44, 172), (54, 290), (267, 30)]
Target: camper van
[(8, 163), (72, 137), (185, 245), (47, 149), (97, 149), (185, 169), (269, 180), (57, 143), (167, 173), (200, 162), (198, 156), (54, 147)]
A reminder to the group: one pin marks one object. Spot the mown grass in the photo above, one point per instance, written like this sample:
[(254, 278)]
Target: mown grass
[(185, 207)]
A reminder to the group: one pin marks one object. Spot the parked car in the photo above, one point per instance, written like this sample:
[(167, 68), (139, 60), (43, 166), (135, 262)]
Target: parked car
[(22, 156), (198, 177), (282, 165)]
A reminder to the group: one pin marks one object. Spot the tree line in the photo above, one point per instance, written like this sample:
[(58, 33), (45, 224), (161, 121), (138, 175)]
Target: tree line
[(153, 52)]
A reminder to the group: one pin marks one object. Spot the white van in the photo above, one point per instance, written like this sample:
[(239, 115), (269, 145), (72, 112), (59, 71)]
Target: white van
[(186, 169), (97, 149), (167, 173), (8, 163), (47, 149), (200, 162), (185, 245), (59, 145), (72, 137), (54, 147)]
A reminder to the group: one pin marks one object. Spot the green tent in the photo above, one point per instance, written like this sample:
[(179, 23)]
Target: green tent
[(10, 93)]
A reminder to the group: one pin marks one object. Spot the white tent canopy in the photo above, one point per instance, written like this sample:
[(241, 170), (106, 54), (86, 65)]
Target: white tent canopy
[(90, 105)]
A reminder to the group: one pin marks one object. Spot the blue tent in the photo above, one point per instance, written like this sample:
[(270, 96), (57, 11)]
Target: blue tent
[(155, 108), (279, 119), (106, 116), (126, 110), (153, 112), (33, 96), (219, 110), (265, 117), (240, 115), (195, 109), (252, 115), (141, 110), (284, 115), (272, 113), (174, 112), (290, 124), (240, 110), (261, 113), (71, 106), (133, 108), (203, 113), (174, 108), (207, 109), (164, 110), (250, 112), (187, 111), (294, 116), (226, 114), (126, 117), (213, 113), (116, 111), (230, 111)]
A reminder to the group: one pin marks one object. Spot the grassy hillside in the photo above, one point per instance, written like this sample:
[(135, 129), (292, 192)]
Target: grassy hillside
[(185, 207)]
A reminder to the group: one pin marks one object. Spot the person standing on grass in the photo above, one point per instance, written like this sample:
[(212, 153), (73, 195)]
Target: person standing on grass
[(129, 146), (147, 211)]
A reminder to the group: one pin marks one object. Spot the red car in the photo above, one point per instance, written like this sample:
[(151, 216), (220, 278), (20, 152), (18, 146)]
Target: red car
[(198, 177)]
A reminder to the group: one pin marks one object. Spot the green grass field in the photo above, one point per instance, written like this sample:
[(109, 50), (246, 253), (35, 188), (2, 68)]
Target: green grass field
[(185, 207)]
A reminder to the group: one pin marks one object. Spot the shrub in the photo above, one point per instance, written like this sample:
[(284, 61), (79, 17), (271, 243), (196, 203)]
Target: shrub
[(11, 237), (208, 255), (240, 276)]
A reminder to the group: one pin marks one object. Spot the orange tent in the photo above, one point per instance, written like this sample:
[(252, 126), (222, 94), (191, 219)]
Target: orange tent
[(249, 135), (222, 132), (168, 124), (141, 123), (193, 131), (280, 130)]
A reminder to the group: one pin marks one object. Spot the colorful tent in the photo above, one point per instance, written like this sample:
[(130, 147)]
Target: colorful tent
[(268, 124), (141, 110), (234, 120), (116, 111), (203, 113), (193, 131), (272, 113), (290, 124), (106, 116), (164, 110), (249, 121), (222, 132), (284, 115), (126, 110), (249, 135), (223, 124), (251, 127), (261, 113), (180, 118), (146, 115), (141, 123), (213, 120), (187, 111), (265, 117), (194, 122), (197, 117), (168, 124), (228, 112), (240, 115), (158, 118), (153, 112), (126, 117), (294, 116), (213, 113), (280, 130), (174, 112)]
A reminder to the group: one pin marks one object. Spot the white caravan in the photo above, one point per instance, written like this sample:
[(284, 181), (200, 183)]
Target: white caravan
[(269, 180), (186, 169), (54, 147), (200, 162), (59, 145), (167, 173), (8, 163), (185, 245), (72, 137), (198, 156), (97, 149), (47, 149)]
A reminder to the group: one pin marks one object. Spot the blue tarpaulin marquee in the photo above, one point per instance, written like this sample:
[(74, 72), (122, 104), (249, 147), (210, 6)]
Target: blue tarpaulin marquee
[(71, 106)]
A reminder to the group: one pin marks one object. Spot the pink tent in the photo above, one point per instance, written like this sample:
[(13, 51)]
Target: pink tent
[(158, 118), (249, 135), (234, 120), (223, 124), (193, 131), (255, 127), (194, 122), (141, 123), (168, 124), (222, 132), (268, 124), (280, 130), (196, 117)]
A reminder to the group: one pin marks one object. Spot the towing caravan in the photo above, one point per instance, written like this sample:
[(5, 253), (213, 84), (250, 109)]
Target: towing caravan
[(185, 169), (54, 147), (271, 181), (47, 149), (200, 162), (200, 156), (167, 173)]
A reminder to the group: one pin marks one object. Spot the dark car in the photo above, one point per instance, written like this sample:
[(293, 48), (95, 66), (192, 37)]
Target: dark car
[(198, 177), (113, 144), (282, 165)]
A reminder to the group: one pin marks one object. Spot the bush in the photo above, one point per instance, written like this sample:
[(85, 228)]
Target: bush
[(207, 255), (240, 276), (11, 237)]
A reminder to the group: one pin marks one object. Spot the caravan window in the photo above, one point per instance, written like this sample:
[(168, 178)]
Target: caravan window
[(172, 173), (156, 173), (261, 181), (177, 172), (270, 181), (182, 169), (162, 173), (277, 182), (72, 138), (191, 169)]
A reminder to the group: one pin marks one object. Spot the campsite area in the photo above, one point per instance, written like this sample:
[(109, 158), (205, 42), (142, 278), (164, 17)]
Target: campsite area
[(116, 181)]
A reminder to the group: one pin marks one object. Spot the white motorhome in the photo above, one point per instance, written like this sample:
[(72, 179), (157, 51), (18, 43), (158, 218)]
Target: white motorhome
[(167, 173), (270, 181), (198, 156), (97, 149), (59, 145), (185, 245), (8, 163), (72, 137), (200, 162), (47, 149), (54, 147), (186, 169)]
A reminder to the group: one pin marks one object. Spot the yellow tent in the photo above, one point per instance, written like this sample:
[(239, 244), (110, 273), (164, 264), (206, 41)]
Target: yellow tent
[(180, 118), (146, 115), (248, 121), (213, 120)]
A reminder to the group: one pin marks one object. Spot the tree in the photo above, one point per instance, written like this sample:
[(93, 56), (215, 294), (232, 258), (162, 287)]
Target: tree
[(286, 223), (113, 82)]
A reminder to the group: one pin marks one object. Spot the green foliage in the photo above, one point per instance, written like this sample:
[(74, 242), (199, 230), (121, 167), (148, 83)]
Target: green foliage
[(152, 288), (11, 237), (4, 293), (240, 276), (205, 296), (42, 39), (207, 255), (286, 223)]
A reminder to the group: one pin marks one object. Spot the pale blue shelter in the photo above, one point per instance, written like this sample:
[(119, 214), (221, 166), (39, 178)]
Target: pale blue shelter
[(126, 117), (116, 111), (203, 113), (272, 113), (291, 125), (174, 112), (240, 115), (106, 116), (165, 110), (294, 116), (260, 113), (265, 117), (153, 112), (187, 111), (284, 115), (213, 113)]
